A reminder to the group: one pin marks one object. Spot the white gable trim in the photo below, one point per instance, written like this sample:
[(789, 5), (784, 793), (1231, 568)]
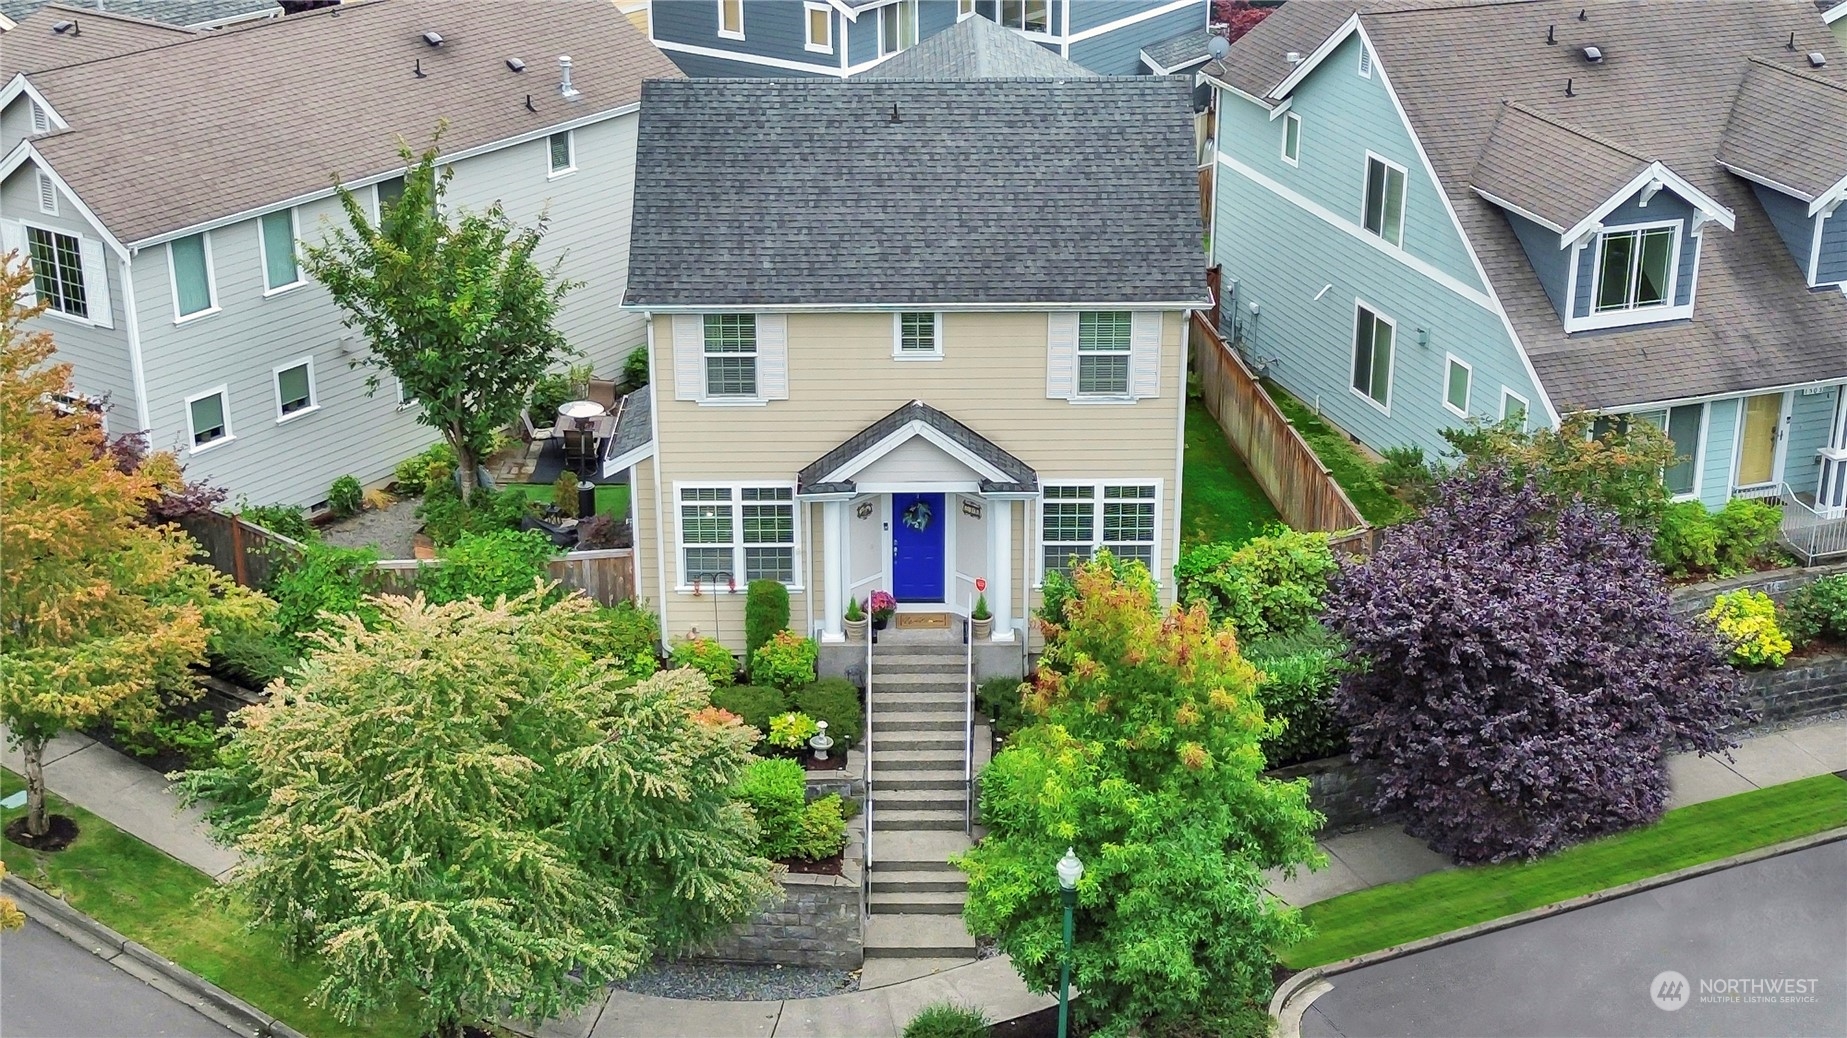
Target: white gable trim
[(21, 85), (1765, 181), (1517, 211), (1319, 55), (904, 434), (1140, 16), (24, 152), (1834, 14), (1833, 196), (1281, 109), (1214, 81), (1643, 181)]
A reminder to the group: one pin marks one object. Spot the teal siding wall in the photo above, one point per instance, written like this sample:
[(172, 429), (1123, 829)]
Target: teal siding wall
[(1833, 265), (1810, 425), (1792, 223), (1551, 263), (1721, 437)]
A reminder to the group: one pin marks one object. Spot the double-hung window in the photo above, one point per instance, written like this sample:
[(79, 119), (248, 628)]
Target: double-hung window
[(1077, 519), (919, 336), (897, 27), (295, 388), (731, 355), (1383, 214), (190, 259), (1103, 351), (280, 268), (737, 535), (1634, 269), (563, 152), (57, 271), (1372, 356), (1683, 426), (1027, 15)]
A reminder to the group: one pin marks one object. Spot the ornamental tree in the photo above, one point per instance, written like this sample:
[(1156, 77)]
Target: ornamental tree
[(453, 305), (88, 627), (1143, 756), (460, 801), (1519, 675)]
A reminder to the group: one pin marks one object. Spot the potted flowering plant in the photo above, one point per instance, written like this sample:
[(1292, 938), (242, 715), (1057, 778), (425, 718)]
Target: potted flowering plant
[(855, 621), (981, 622), (881, 605)]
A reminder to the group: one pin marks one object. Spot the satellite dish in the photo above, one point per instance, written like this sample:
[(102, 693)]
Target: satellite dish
[(1218, 47)]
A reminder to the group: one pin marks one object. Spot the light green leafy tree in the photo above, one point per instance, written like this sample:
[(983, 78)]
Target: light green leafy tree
[(1144, 756), (458, 804), (453, 304)]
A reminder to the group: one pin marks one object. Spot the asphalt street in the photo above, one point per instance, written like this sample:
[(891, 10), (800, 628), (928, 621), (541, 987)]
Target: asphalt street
[(1760, 950), (51, 988)]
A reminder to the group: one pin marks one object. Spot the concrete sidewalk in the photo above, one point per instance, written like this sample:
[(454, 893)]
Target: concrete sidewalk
[(1386, 854)]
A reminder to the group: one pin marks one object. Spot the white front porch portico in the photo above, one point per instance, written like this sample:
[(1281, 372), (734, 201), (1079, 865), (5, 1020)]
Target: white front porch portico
[(920, 505)]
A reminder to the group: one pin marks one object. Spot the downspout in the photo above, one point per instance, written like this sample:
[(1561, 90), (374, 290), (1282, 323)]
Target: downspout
[(137, 369), (808, 566), (1173, 501), (660, 518)]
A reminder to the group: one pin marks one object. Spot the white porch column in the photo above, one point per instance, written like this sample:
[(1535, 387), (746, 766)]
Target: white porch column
[(834, 567), (1000, 568)]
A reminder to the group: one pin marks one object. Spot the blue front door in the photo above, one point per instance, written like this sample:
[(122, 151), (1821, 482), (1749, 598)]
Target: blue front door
[(917, 547)]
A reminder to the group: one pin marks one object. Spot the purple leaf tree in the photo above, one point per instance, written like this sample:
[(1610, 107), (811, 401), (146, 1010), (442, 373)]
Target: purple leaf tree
[(1520, 676)]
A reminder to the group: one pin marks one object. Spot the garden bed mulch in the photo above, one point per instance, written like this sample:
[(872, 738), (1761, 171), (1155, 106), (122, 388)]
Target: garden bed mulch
[(59, 833), (833, 866), (836, 761)]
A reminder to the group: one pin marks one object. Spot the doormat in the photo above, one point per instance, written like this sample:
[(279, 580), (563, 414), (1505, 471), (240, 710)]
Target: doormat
[(923, 621)]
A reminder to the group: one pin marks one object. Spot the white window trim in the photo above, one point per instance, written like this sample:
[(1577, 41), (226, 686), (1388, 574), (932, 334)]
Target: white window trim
[(730, 34), (708, 398), (405, 402), (1292, 119), (1353, 344), (1468, 386), (1526, 407), (916, 24), (1078, 396), (898, 351), (965, 9), (1050, 34), (809, 9), (211, 281), (685, 586), (1673, 269), (1404, 202), (1037, 518), (26, 249), (263, 254), (570, 166), (314, 394), (223, 392)]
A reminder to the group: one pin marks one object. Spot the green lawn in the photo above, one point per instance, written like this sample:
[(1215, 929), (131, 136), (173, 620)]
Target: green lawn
[(1219, 498), (611, 498), (166, 905), (1383, 917), (1357, 474)]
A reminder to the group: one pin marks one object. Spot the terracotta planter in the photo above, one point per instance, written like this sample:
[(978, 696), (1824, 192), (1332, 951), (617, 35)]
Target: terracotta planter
[(979, 629), (856, 629)]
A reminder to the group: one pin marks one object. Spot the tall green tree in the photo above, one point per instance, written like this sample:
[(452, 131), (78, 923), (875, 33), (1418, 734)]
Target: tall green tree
[(1144, 756), (459, 803), (453, 304), (89, 626)]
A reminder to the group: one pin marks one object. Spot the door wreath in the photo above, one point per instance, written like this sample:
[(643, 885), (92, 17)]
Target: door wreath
[(917, 517)]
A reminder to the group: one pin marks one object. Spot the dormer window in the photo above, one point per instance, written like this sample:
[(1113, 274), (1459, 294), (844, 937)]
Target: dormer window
[(1635, 268)]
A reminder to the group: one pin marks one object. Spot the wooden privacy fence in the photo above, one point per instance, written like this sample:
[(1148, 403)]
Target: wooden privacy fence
[(251, 554), (1285, 466)]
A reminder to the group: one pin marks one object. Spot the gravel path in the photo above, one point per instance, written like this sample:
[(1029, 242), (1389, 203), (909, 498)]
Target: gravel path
[(389, 530), (737, 982)]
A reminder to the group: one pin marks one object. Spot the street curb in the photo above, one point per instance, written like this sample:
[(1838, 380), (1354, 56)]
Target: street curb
[(1289, 1026), (209, 999)]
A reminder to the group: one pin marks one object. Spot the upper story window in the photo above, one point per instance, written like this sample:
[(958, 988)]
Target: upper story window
[(1292, 138), (1103, 345), (1027, 15), (965, 9), (189, 259), (295, 388), (563, 152), (1635, 268), (1513, 408), (1383, 213), (57, 271), (277, 238), (920, 336), (1373, 336), (208, 418), (731, 355), (731, 19), (897, 27), (819, 27), (1456, 384)]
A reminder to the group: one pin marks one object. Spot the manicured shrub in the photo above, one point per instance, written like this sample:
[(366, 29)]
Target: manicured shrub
[(835, 701), (446, 517), (290, 521), (488, 566), (550, 392), (412, 475), (1520, 672), (1687, 541), (1273, 584), (947, 1020), (754, 703), (708, 656), (1614, 465), (323, 581), (600, 531), (786, 661), (766, 611), (1407, 474), (1748, 531), (635, 368), (564, 493), (1000, 699), (345, 497), (824, 828), (1746, 624), (195, 738), (1300, 673), (776, 789), (1818, 610), (792, 730), (628, 634)]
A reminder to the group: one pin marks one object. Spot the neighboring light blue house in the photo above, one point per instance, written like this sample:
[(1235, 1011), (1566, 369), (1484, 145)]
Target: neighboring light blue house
[(759, 38), (1426, 216)]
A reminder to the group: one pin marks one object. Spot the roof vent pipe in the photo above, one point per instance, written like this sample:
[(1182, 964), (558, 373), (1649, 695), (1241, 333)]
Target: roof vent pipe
[(564, 76), (1551, 35)]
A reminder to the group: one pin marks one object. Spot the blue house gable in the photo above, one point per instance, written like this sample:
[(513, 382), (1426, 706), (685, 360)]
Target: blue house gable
[(840, 38), (1795, 174)]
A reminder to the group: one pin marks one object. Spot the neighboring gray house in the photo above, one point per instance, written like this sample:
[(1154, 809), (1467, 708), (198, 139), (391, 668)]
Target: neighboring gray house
[(160, 180), (977, 49), (186, 14)]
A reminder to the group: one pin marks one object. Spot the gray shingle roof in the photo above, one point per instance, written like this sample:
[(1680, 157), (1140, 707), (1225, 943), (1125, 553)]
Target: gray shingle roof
[(1755, 324), (1021, 479), (1182, 51), (634, 424), (975, 48), (31, 45), (985, 193), (169, 12), (1789, 127), (225, 122), (1507, 170)]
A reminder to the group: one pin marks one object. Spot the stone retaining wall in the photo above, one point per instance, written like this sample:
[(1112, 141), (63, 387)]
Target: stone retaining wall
[(1338, 788), (1779, 584), (816, 922), (849, 782)]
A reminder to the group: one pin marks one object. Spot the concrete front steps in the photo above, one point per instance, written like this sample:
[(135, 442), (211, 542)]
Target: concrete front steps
[(919, 811)]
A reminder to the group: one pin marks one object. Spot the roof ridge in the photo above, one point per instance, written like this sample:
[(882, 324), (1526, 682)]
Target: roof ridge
[(1588, 135), (1802, 74)]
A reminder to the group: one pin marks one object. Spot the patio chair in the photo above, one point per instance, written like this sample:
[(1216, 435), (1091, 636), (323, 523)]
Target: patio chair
[(579, 447), (533, 432), (603, 392)]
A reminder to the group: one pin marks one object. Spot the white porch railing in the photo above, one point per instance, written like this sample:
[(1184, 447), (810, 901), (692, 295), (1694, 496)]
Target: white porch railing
[(1812, 533)]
